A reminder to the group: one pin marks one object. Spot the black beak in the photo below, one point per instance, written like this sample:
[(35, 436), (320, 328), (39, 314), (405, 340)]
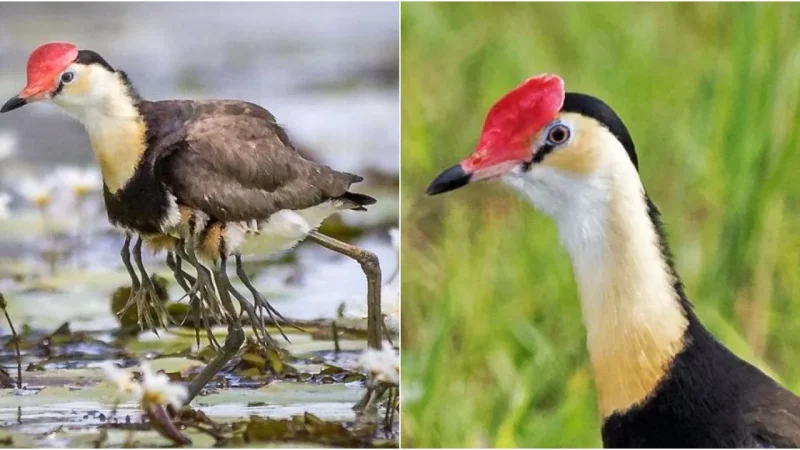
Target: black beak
[(12, 104), (452, 178)]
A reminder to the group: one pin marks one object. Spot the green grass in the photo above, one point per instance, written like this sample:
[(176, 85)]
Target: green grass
[(493, 343)]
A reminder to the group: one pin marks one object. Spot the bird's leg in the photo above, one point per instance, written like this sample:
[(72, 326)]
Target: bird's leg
[(209, 332), (201, 285), (136, 297), (255, 321), (222, 283), (149, 289), (125, 253), (372, 270), (258, 307), (195, 288), (174, 263), (371, 267), (261, 304), (233, 342), (235, 337), (200, 316)]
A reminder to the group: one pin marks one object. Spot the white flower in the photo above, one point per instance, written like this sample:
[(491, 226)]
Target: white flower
[(5, 199), (8, 144), (157, 389), (383, 364), (123, 379), (80, 181), (38, 192)]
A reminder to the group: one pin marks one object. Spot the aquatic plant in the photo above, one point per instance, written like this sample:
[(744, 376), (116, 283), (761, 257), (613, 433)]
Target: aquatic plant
[(154, 393)]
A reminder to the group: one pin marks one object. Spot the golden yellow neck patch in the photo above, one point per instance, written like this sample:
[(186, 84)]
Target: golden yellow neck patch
[(118, 147), (634, 320)]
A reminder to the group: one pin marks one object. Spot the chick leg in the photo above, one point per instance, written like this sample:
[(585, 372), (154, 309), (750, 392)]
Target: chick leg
[(223, 286), (138, 293), (149, 289), (183, 279), (372, 270), (125, 253), (256, 322), (261, 303), (202, 286), (234, 340)]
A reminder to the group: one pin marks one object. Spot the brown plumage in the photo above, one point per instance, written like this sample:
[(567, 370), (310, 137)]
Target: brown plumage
[(231, 160), (227, 159)]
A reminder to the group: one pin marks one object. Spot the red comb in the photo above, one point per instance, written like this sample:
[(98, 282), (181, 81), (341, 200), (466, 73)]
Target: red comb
[(46, 62), (516, 117)]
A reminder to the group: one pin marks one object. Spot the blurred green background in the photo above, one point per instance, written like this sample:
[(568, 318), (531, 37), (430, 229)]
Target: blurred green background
[(493, 344)]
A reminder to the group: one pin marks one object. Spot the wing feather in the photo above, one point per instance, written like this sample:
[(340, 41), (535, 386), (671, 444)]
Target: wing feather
[(234, 162)]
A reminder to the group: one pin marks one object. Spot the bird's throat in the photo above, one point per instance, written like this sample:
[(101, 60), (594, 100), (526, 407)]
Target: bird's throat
[(106, 105), (633, 315), (119, 147)]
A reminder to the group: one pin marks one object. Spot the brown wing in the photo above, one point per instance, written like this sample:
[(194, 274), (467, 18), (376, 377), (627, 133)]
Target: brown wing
[(234, 162)]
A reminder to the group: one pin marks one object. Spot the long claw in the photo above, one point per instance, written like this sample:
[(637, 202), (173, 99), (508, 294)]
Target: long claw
[(174, 263), (203, 287), (261, 304), (255, 321), (162, 315)]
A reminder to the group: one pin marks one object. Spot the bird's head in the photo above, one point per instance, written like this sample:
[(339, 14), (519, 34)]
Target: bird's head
[(558, 148), (79, 81)]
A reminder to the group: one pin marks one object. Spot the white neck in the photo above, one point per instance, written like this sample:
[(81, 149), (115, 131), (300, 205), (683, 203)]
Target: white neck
[(634, 320), (102, 102), (98, 98)]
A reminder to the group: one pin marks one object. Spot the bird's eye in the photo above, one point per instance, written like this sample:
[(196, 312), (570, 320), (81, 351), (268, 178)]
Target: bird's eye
[(558, 134), (67, 77)]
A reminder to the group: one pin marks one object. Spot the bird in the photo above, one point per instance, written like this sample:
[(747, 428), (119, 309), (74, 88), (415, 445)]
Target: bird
[(208, 177), (662, 379)]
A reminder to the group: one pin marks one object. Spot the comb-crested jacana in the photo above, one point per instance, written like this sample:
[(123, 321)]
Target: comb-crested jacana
[(662, 379), (171, 168)]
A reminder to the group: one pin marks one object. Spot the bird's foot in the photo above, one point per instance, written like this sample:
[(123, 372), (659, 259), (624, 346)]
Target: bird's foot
[(139, 300), (256, 322), (260, 304), (202, 291)]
